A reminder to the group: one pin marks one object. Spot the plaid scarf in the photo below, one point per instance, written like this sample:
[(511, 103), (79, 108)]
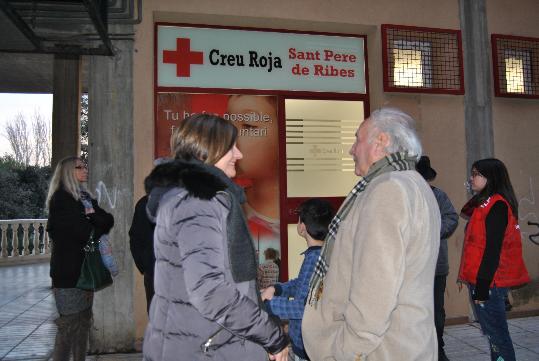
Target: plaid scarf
[(390, 163)]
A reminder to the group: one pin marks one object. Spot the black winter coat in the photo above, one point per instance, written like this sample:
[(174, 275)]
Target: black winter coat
[(141, 238), (69, 229)]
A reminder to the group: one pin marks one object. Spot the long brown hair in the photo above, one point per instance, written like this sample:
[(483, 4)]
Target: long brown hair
[(497, 182)]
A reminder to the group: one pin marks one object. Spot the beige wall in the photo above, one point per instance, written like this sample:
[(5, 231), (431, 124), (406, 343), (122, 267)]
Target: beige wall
[(516, 131), (440, 117)]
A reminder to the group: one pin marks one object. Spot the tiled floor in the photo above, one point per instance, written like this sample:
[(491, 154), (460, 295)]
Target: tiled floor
[(26, 312), (27, 326), (466, 343)]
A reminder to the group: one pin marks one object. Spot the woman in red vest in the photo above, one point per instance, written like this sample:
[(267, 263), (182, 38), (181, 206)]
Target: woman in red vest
[(492, 256)]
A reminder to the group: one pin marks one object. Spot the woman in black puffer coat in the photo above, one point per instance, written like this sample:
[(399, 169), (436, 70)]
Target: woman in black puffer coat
[(73, 214)]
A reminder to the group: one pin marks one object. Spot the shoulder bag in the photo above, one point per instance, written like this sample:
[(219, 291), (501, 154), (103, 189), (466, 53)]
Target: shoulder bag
[(94, 276)]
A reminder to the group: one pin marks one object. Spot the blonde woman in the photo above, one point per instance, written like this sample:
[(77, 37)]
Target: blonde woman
[(73, 215)]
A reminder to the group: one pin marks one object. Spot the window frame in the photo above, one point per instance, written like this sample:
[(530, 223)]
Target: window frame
[(498, 64), (390, 86)]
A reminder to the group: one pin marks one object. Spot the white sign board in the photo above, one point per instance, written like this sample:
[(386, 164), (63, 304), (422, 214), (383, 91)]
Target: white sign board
[(265, 60)]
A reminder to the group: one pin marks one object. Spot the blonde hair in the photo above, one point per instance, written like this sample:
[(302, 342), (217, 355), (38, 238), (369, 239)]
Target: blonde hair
[(64, 177), (204, 137)]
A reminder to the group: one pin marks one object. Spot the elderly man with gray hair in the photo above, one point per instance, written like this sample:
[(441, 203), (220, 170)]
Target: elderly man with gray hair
[(371, 293)]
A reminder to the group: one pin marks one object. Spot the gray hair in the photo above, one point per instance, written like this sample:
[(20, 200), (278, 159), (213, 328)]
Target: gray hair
[(401, 129)]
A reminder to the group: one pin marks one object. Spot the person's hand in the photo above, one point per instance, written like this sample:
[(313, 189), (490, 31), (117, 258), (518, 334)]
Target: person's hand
[(267, 293), (281, 356)]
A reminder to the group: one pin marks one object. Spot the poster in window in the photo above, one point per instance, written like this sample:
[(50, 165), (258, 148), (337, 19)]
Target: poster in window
[(255, 117)]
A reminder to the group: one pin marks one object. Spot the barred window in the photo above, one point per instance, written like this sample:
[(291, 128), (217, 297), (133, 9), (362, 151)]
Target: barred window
[(422, 60), (412, 63), (516, 65)]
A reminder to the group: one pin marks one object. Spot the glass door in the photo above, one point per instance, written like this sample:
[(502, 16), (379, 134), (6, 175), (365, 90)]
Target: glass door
[(319, 134)]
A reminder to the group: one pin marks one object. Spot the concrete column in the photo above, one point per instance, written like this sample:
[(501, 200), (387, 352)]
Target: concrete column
[(66, 107), (110, 155), (477, 81)]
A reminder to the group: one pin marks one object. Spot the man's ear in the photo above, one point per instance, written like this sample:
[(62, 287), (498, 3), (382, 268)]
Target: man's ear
[(382, 140)]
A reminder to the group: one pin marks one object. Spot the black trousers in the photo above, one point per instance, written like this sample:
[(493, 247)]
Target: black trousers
[(148, 287), (439, 310)]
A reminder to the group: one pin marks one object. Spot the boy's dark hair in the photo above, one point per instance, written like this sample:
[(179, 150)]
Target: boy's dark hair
[(316, 214)]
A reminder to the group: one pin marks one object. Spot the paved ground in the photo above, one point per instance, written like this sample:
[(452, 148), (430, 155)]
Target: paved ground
[(27, 327)]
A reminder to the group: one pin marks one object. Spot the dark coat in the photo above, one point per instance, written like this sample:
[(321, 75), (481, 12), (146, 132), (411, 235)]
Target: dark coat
[(197, 301), (141, 238), (69, 229), (450, 221)]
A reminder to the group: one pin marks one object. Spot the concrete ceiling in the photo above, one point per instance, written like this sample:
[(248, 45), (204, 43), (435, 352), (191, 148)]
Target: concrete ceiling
[(31, 73), (33, 31)]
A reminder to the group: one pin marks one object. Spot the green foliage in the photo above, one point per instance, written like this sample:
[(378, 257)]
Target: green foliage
[(24, 189), (84, 127)]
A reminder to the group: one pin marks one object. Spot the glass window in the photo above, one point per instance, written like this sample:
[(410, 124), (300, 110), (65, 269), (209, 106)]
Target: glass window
[(412, 63), (518, 71), (319, 134)]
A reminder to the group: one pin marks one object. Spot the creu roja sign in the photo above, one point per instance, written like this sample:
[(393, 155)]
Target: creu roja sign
[(198, 57)]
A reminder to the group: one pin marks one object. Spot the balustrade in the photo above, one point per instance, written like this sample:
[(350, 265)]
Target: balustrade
[(23, 240)]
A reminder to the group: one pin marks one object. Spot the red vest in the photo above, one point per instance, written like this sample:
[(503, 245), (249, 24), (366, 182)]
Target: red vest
[(511, 269)]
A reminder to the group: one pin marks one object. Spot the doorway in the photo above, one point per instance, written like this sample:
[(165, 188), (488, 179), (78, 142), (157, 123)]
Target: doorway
[(319, 134)]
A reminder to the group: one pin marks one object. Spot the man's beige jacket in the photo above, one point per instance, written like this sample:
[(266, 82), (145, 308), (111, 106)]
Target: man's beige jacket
[(377, 300)]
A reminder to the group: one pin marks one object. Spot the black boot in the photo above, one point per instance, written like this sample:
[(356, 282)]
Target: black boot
[(442, 356)]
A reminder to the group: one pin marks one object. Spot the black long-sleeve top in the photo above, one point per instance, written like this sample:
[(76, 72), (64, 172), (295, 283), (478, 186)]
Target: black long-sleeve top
[(495, 224)]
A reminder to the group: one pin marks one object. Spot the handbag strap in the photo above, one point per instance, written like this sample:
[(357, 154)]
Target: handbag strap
[(91, 242)]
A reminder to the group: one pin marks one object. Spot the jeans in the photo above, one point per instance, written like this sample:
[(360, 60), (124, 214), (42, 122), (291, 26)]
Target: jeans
[(493, 321)]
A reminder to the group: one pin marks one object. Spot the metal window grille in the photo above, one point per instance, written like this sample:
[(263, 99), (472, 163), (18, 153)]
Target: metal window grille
[(422, 60), (516, 66)]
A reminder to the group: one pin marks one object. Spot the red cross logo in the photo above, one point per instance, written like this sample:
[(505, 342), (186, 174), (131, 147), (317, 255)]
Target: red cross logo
[(183, 57)]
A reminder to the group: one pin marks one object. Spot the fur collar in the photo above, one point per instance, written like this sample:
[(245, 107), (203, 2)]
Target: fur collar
[(200, 180), (195, 177)]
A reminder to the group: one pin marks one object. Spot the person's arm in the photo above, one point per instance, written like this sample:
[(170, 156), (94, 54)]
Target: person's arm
[(100, 219), (287, 309), (286, 289), (66, 216), (140, 229), (495, 224), (378, 268), (450, 218), (202, 240)]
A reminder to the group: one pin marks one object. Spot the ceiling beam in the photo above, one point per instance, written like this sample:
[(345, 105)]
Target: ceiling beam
[(99, 18), (21, 24)]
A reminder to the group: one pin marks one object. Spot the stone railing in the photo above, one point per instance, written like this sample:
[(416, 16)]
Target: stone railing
[(23, 240)]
